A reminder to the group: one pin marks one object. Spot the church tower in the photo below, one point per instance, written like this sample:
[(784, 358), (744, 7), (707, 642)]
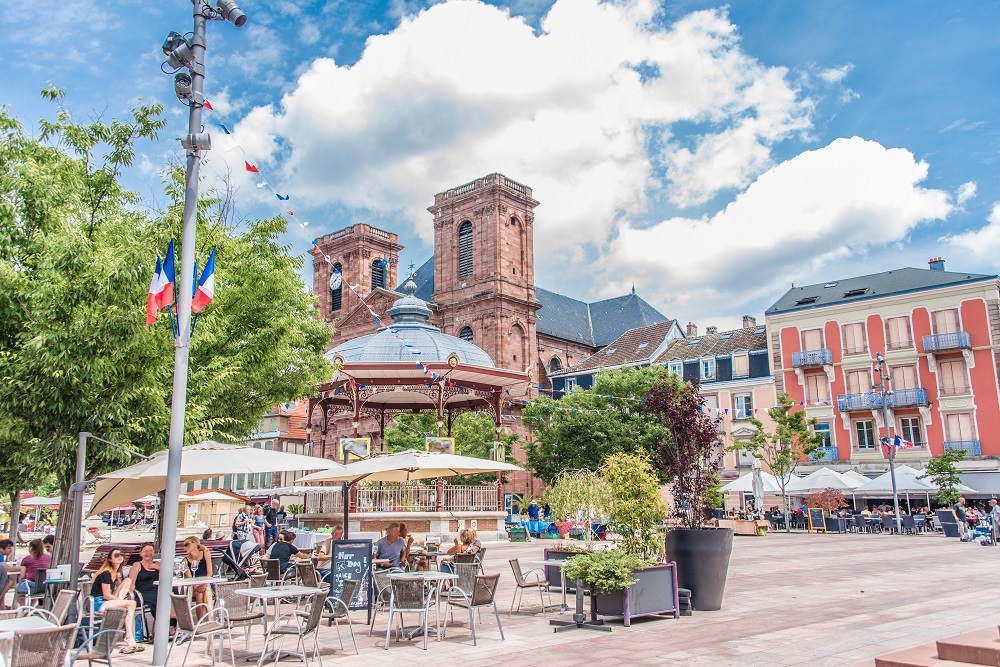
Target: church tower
[(366, 256), (484, 272)]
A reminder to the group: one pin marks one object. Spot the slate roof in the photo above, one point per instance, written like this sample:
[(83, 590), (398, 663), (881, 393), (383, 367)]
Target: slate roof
[(592, 324), (873, 286), (635, 346), (714, 345)]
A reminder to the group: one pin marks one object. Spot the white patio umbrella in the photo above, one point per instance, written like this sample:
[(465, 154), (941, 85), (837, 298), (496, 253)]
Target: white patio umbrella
[(853, 474), (201, 461), (39, 501), (405, 466), (908, 480), (769, 484), (818, 480)]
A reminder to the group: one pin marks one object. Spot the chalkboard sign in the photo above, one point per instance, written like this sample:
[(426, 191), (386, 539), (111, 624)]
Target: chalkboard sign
[(817, 521), (352, 559)]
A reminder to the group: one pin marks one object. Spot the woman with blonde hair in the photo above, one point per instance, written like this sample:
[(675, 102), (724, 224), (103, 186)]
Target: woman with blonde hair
[(198, 563), (110, 590), (258, 526)]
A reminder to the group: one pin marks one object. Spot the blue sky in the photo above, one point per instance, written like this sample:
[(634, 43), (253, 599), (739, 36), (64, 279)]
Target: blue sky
[(709, 154)]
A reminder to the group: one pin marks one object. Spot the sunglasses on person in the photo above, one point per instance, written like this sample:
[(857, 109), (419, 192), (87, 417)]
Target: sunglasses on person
[(117, 554)]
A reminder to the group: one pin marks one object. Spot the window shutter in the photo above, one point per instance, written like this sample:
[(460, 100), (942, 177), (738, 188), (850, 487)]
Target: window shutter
[(465, 249)]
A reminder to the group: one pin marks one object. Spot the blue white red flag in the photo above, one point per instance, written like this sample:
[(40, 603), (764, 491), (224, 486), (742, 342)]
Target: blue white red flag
[(899, 442), (152, 305), (167, 278), (206, 286)]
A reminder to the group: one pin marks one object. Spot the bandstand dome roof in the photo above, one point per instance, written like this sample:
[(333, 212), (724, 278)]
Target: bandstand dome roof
[(410, 317)]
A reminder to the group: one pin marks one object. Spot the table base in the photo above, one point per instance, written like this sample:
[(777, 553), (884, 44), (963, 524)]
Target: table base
[(578, 624)]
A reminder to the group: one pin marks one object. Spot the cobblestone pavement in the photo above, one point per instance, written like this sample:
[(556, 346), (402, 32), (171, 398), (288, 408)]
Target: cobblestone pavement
[(794, 599)]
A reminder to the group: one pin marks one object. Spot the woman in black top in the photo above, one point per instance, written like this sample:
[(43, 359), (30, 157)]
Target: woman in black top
[(108, 591), (144, 576)]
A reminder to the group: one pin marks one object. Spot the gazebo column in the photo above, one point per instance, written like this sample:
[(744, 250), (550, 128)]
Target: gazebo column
[(497, 420), (440, 423), (381, 429)]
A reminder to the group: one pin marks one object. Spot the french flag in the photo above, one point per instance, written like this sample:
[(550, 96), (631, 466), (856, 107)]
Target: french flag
[(899, 442), (167, 278), (152, 298), (206, 286)]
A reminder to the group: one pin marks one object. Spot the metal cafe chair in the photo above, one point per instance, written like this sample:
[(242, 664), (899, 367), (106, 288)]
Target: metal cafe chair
[(483, 594), (340, 608), (408, 596), (522, 581)]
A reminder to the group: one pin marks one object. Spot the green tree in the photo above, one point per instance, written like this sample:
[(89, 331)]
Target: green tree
[(579, 431), (579, 495), (75, 354), (784, 448), (636, 508), (942, 471)]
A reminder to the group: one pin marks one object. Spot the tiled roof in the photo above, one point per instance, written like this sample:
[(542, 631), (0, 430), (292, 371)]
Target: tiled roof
[(593, 324), (635, 346), (715, 344), (297, 420), (872, 286)]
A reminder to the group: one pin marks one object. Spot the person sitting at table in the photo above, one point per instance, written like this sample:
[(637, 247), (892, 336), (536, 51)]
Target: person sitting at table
[(8, 567), (198, 563), (144, 576), (110, 591), (866, 512), (467, 542), (420, 560), (323, 557), (36, 560), (283, 550), (48, 542), (391, 547)]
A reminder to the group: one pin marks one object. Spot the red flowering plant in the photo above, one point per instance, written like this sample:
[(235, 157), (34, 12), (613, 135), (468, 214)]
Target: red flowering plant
[(830, 500), (689, 453)]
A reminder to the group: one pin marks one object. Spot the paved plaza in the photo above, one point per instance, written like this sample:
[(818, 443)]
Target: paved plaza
[(795, 599)]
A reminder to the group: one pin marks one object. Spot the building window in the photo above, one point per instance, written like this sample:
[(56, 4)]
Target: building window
[(909, 429), (743, 403), (677, 368), (812, 339), (897, 333), (554, 365), (858, 382), (824, 430), (336, 295), (741, 365), (864, 432), (817, 388), (953, 378), (570, 385), (466, 334), (465, 249), (378, 274), (708, 368), (854, 338), (273, 425), (959, 426), (241, 481), (945, 321), (904, 377)]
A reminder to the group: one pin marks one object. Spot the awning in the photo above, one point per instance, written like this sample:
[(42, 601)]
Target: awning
[(985, 483)]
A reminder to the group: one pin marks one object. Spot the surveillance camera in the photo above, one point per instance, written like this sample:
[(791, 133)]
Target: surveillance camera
[(182, 86), (232, 12), (178, 51)]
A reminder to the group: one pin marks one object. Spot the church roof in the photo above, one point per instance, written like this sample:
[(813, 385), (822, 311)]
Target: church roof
[(636, 346), (421, 341), (593, 324)]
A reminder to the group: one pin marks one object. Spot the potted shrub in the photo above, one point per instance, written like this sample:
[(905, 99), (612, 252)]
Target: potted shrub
[(294, 509), (829, 500), (689, 456)]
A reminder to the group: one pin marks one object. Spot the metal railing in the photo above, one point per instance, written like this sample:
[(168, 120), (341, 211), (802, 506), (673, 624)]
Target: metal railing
[(408, 498), (947, 341), (970, 446), (812, 358), (871, 400), (826, 453)]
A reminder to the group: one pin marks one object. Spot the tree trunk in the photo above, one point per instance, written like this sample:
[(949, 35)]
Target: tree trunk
[(15, 514), (64, 529)]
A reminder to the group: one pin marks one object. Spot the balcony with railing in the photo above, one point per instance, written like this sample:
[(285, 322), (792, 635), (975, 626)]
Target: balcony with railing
[(957, 340), (970, 447), (812, 358), (900, 398), (825, 453)]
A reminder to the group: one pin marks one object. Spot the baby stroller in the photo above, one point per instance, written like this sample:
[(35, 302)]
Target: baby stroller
[(242, 557)]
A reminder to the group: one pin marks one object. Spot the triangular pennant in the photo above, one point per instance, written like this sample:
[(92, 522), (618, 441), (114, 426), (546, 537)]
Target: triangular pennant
[(252, 169)]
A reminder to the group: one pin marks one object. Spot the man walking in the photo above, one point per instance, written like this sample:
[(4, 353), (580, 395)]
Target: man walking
[(994, 519), (271, 524)]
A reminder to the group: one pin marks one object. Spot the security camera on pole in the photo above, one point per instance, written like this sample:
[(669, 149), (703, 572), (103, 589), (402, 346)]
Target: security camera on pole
[(189, 86)]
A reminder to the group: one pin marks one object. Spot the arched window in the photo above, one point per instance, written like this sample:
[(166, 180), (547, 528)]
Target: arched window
[(378, 274), (554, 364), (465, 249), (465, 334), (336, 294)]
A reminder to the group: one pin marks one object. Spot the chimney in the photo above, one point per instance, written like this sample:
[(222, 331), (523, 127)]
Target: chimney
[(749, 321), (936, 264), (692, 329), (711, 330)]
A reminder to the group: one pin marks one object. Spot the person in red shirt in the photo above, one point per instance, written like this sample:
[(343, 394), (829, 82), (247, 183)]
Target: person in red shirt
[(37, 559)]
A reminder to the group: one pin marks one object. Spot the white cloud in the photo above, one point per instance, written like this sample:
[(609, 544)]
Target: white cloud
[(965, 192), (309, 34), (835, 74), (792, 222), (983, 243), (463, 89)]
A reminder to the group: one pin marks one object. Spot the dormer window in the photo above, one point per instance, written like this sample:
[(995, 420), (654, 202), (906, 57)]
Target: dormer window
[(707, 366)]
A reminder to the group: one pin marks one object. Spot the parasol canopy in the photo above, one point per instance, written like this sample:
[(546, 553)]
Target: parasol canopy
[(821, 479), (203, 460), (908, 480), (769, 484), (409, 465)]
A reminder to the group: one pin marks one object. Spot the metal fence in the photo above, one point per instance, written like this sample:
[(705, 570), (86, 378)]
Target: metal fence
[(408, 498)]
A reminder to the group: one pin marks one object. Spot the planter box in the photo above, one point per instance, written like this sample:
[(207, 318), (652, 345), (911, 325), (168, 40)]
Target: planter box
[(655, 594), (554, 574), (836, 525)]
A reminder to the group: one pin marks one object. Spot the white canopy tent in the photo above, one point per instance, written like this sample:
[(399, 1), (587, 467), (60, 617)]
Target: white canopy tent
[(908, 481), (818, 480), (769, 482)]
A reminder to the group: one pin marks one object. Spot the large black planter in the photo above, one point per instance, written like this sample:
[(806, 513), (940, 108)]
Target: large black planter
[(702, 558)]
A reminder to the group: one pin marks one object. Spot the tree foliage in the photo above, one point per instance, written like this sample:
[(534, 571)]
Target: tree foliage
[(635, 507), (579, 431), (942, 471), (78, 250), (579, 495), (790, 443), (829, 500), (688, 452)]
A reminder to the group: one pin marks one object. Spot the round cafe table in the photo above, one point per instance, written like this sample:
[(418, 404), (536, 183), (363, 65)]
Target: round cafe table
[(579, 621)]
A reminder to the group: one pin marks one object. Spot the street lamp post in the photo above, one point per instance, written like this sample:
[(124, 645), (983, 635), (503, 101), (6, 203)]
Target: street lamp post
[(190, 89), (885, 393)]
